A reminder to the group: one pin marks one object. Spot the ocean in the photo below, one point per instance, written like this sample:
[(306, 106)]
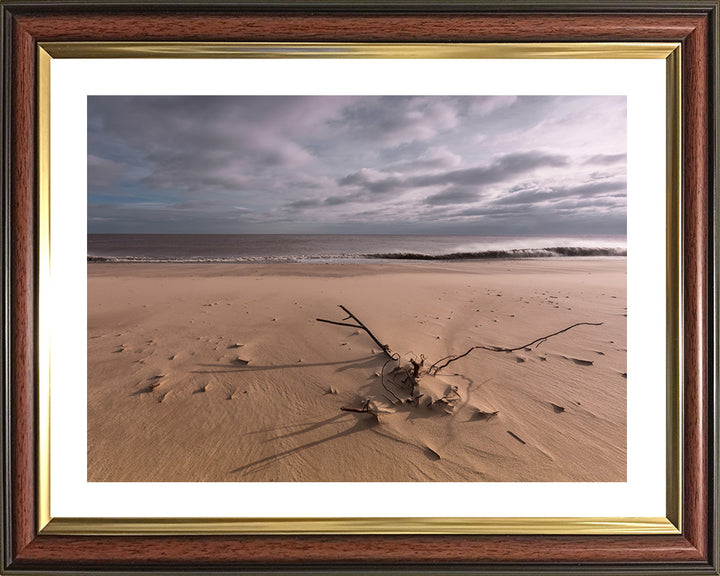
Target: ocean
[(268, 248)]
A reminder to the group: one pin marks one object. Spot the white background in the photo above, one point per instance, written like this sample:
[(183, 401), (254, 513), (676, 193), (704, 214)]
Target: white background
[(643, 81)]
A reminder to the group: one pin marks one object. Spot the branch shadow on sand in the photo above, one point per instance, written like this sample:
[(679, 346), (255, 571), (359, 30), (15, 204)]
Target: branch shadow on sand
[(258, 465), (366, 362)]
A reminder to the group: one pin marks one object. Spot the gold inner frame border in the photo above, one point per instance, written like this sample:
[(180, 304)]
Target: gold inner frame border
[(670, 524)]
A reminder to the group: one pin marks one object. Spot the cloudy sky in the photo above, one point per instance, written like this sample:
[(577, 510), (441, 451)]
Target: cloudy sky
[(395, 164)]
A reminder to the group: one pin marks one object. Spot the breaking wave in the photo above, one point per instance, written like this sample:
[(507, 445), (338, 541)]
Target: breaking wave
[(514, 253), (555, 252)]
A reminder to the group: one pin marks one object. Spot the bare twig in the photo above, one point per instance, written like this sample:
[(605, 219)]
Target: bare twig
[(385, 348), (414, 371), (437, 366), (363, 410), (338, 323), (416, 366), (382, 376), (391, 356)]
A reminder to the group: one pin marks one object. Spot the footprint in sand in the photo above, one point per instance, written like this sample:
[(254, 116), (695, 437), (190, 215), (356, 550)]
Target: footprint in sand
[(152, 383)]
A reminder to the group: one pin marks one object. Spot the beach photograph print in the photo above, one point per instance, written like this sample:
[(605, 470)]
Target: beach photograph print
[(357, 289)]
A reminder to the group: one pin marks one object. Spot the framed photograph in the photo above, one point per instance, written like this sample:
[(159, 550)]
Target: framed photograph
[(350, 287)]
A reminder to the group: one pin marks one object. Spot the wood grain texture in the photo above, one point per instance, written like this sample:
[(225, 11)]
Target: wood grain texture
[(369, 28), (695, 229), (55, 552), (22, 287), (220, 551)]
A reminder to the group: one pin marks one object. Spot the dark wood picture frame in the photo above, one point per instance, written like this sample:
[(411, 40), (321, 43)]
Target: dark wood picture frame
[(694, 24)]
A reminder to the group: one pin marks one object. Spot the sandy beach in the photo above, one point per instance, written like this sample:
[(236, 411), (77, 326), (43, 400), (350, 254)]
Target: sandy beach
[(221, 372)]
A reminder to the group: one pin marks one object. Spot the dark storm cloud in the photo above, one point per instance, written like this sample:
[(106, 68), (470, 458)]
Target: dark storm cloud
[(394, 120), (306, 203), (502, 169), (337, 200), (204, 144), (606, 159), (313, 203), (354, 164), (373, 181), (452, 196), (536, 196)]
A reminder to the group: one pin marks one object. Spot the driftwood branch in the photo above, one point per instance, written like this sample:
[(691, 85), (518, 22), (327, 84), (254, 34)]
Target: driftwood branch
[(416, 366), (435, 368), (414, 371), (382, 378), (363, 410), (391, 356), (338, 323), (384, 347)]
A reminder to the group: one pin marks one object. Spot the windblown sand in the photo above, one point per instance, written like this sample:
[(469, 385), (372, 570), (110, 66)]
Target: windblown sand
[(221, 372)]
